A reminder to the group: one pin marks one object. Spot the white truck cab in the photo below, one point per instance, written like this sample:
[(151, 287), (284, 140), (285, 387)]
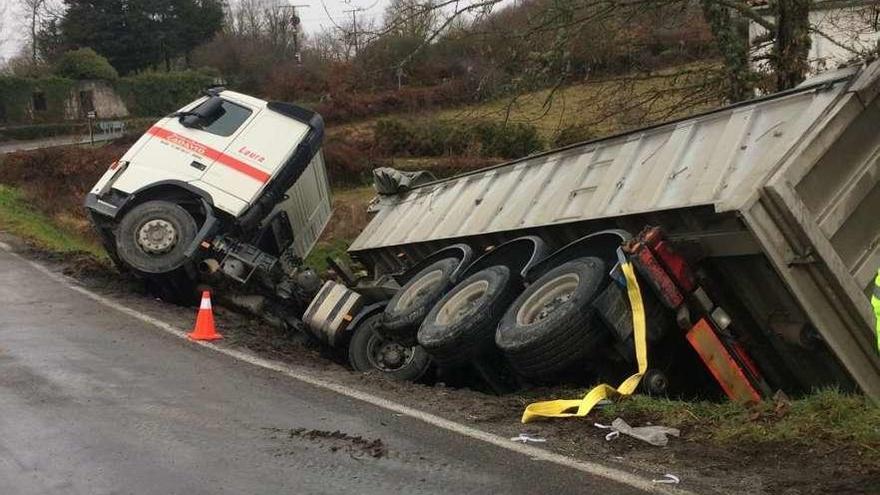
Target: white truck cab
[(227, 166)]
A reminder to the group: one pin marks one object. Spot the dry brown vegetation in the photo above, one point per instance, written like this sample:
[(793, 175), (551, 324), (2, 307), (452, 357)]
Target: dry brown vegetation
[(55, 180)]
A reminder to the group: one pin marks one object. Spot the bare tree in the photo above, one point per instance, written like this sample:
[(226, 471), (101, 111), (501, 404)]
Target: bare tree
[(786, 24), (4, 33), (33, 12), (268, 21), (416, 19)]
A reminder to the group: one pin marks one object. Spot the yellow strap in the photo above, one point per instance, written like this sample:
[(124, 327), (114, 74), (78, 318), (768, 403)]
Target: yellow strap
[(875, 301), (564, 408)]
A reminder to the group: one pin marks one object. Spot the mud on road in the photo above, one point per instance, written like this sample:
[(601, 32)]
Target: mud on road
[(705, 467)]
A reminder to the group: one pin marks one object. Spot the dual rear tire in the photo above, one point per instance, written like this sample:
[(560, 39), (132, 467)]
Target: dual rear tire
[(551, 328), (543, 332), (461, 326), (408, 307)]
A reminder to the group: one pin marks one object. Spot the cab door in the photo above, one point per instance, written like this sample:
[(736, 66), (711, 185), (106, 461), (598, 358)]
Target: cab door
[(262, 146), (176, 152)]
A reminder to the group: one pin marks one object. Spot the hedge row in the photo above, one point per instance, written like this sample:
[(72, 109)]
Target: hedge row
[(157, 93), (439, 138), (16, 94), (146, 95)]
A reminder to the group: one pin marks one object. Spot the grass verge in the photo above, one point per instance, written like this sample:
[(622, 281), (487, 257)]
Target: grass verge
[(827, 417), (20, 219), (334, 248)]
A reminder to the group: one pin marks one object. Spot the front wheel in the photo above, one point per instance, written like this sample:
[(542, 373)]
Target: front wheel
[(368, 350), (153, 237)]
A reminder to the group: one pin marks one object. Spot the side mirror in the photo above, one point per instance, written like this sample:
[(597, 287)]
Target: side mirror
[(190, 121), (205, 112)]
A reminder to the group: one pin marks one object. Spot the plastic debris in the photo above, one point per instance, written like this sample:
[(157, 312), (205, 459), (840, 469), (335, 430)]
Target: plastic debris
[(668, 479), (524, 438), (655, 435)]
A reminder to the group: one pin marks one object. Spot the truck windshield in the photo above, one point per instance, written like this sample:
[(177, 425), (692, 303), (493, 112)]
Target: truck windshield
[(227, 120)]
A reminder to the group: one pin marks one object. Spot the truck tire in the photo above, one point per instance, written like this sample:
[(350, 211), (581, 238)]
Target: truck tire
[(369, 351), (550, 326), (408, 307), (153, 237), (462, 324)]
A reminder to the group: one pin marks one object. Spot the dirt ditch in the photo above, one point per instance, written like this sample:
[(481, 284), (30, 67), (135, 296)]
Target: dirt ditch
[(703, 466)]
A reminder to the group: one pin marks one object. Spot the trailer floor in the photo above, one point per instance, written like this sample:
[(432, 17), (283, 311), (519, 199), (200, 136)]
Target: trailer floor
[(702, 467)]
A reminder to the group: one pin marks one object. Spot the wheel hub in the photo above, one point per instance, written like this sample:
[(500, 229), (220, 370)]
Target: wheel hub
[(552, 306), (386, 355), (462, 303), (157, 236), (392, 356), (548, 299)]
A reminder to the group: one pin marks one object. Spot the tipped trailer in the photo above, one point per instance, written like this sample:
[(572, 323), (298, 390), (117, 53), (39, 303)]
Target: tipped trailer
[(755, 230)]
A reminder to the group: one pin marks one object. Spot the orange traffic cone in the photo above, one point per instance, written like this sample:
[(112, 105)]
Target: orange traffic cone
[(204, 329)]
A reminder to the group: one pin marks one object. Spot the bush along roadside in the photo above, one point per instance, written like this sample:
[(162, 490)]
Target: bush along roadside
[(444, 138)]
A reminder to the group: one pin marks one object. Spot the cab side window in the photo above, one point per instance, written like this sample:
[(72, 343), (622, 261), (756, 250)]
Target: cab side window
[(228, 119)]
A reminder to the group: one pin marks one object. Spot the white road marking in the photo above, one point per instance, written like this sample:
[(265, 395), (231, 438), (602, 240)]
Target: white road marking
[(534, 453)]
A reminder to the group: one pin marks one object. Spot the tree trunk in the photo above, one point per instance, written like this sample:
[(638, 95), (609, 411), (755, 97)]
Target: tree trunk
[(792, 42), (731, 33), (34, 35)]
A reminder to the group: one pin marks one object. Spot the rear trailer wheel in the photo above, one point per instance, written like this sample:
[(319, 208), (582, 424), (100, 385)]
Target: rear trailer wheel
[(549, 328), (153, 237), (408, 307), (369, 351), (461, 325)]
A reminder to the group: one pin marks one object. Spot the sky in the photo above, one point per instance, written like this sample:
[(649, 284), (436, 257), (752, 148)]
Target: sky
[(314, 18)]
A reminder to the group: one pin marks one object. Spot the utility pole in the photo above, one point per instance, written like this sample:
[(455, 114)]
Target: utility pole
[(354, 28), (295, 24)]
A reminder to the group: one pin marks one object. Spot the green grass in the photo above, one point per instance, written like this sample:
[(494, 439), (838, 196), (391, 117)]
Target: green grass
[(335, 248), (828, 417), (18, 218)]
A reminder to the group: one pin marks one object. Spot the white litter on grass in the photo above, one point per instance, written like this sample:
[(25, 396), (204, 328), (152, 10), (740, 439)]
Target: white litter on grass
[(524, 438), (668, 479), (655, 435)]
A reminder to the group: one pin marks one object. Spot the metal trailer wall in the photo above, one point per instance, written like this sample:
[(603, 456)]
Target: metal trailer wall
[(308, 205), (793, 176)]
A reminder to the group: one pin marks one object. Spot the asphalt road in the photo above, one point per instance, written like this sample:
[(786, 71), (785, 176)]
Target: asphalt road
[(93, 401), (35, 144)]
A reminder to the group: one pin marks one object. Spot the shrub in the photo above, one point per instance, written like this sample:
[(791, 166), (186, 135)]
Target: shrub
[(16, 95), (436, 138), (347, 161), (344, 106), (151, 94), (508, 140), (84, 63), (573, 134), (27, 132), (393, 136)]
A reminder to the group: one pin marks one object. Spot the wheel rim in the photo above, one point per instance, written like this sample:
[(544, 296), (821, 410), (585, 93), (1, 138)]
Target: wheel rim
[(419, 289), (386, 355), (156, 236), (547, 299), (462, 302)]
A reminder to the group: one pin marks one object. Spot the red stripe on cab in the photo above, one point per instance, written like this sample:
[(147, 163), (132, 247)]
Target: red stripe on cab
[(208, 152)]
